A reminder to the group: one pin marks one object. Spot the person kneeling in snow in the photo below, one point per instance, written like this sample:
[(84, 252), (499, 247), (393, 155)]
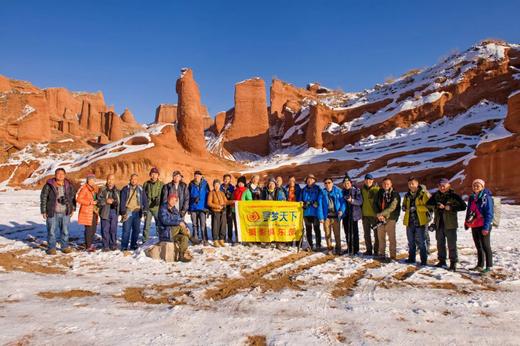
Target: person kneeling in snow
[(172, 228)]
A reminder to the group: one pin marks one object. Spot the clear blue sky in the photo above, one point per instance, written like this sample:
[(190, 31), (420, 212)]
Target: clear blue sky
[(133, 50)]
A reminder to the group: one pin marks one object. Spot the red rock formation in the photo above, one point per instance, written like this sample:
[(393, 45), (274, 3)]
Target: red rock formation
[(166, 113), (249, 130), (128, 117), (220, 121), (190, 114), (281, 93), (512, 122)]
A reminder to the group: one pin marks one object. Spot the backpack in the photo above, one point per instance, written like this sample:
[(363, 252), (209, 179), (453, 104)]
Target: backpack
[(497, 211)]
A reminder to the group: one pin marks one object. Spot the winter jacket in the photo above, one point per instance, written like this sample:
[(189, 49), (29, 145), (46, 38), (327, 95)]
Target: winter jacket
[(86, 197), (297, 192), (421, 198), (276, 195), (337, 198), (153, 194), (312, 199), (369, 196), (48, 197), (484, 203), (198, 195), (353, 209), (389, 209), (141, 197), (217, 201), (168, 218), (104, 208), (182, 192), (228, 190), (252, 194), (448, 218)]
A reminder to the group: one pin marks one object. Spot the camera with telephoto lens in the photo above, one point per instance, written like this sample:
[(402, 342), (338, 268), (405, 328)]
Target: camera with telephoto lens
[(62, 200), (471, 217), (154, 202), (431, 228), (306, 205), (375, 226)]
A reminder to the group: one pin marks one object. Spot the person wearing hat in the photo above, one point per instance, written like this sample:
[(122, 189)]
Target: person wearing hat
[(353, 200), (180, 188), (271, 192), (446, 204), (108, 204), (57, 205), (172, 227), (334, 208), (479, 217), (88, 211), (231, 224), (388, 209), (134, 205), (198, 206), (153, 189), (312, 199), (369, 193), (217, 203)]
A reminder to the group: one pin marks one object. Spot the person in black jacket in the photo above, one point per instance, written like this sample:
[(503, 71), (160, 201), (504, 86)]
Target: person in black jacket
[(388, 208), (172, 227), (57, 205), (180, 188)]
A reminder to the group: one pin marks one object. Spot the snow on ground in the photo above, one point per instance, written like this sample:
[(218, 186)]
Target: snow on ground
[(228, 294)]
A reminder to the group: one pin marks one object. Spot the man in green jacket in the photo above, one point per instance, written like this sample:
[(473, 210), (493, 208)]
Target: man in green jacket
[(369, 193), (446, 204), (388, 208), (152, 188)]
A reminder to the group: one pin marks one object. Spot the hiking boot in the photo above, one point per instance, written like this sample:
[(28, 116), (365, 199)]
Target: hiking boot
[(184, 259), (51, 252), (409, 261), (105, 249), (205, 243), (195, 240), (453, 266), (441, 264), (486, 270), (477, 268), (222, 243), (216, 243), (68, 249), (367, 253), (92, 248), (424, 264), (337, 252)]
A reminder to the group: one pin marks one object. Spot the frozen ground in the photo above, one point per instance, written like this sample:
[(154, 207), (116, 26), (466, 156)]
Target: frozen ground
[(227, 296)]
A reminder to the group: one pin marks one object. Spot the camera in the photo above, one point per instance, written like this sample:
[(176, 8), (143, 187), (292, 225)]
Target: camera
[(471, 217), (375, 226), (431, 228), (154, 202), (62, 200)]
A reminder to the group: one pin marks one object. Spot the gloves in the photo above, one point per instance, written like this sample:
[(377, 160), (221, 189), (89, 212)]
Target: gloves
[(466, 227), (485, 232)]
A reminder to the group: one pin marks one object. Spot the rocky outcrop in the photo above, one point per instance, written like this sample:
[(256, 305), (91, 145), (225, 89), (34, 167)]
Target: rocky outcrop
[(128, 117), (166, 113), (249, 130), (190, 114), (512, 122), (282, 94), (220, 121)]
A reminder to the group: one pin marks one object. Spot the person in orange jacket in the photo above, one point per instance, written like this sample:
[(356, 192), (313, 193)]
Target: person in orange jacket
[(88, 211)]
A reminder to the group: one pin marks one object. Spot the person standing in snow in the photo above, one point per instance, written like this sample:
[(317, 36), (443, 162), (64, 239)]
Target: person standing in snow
[(57, 205), (446, 204), (416, 219), (312, 199), (479, 217), (172, 227), (108, 204), (237, 196), (334, 208), (228, 190), (153, 189), (198, 207), (217, 203), (369, 193), (353, 200), (133, 206), (88, 211), (388, 208)]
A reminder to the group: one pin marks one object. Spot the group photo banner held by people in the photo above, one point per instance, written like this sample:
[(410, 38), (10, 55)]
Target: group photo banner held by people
[(269, 221)]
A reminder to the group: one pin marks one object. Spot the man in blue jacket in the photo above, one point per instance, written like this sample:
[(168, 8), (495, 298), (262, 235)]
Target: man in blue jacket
[(334, 209), (133, 206), (228, 190), (312, 199), (198, 206), (172, 227)]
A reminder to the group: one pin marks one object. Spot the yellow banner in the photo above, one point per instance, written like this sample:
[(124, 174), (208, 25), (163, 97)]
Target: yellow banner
[(269, 221)]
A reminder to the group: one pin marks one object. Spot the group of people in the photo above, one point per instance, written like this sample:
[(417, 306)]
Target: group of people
[(328, 207)]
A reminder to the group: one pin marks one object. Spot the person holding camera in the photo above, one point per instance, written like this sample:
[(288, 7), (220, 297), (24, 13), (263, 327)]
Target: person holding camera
[(479, 217), (57, 205), (172, 227), (108, 204), (198, 206), (134, 205), (312, 199), (88, 211), (446, 204), (415, 220), (353, 200), (152, 188), (388, 209)]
